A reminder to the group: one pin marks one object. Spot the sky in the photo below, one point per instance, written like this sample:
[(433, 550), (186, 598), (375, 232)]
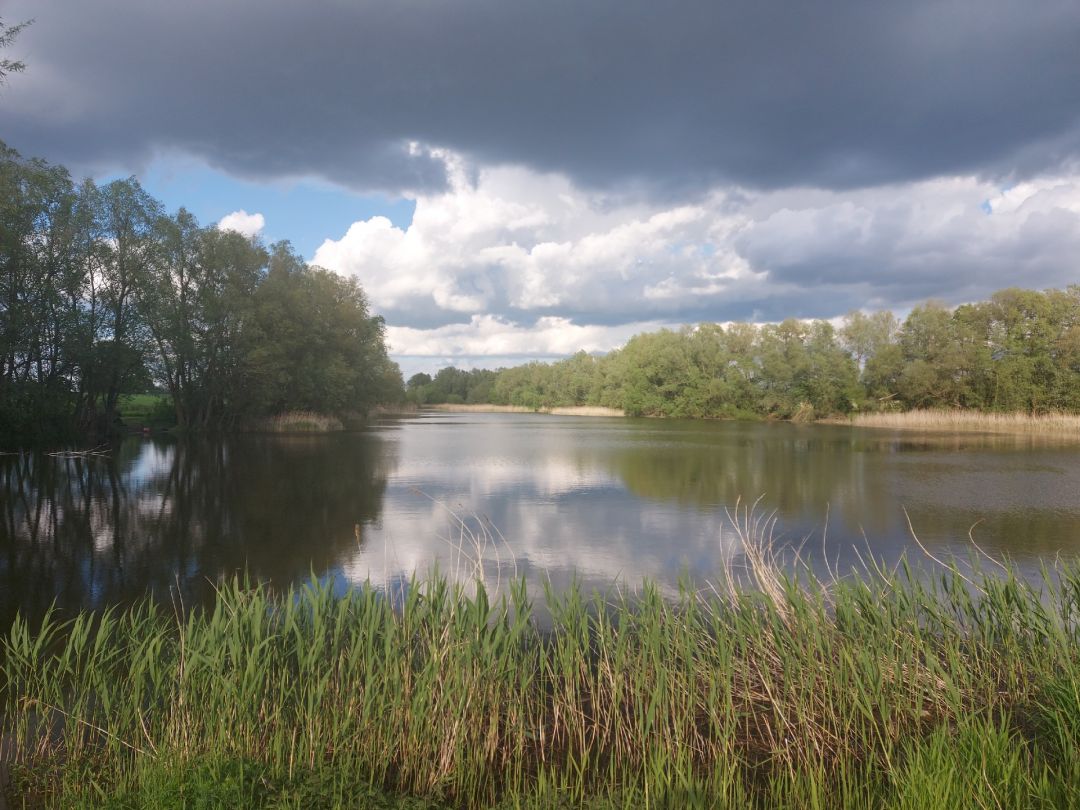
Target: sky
[(519, 180)]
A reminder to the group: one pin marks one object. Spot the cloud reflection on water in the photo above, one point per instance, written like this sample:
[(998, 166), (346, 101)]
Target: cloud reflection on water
[(604, 500)]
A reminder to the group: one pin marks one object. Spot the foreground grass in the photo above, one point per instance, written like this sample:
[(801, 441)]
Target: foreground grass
[(897, 692), (1049, 424)]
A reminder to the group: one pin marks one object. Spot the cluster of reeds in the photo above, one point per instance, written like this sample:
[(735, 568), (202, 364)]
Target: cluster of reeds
[(585, 410), (461, 407), (561, 410), (887, 690), (299, 422), (1053, 423)]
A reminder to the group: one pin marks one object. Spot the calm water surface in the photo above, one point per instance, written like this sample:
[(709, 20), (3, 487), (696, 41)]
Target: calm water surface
[(604, 500)]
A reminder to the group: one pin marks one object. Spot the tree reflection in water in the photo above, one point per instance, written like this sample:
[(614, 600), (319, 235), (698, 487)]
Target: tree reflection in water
[(601, 501), (173, 518)]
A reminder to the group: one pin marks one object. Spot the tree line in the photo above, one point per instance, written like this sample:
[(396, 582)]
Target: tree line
[(1017, 351), (103, 293)]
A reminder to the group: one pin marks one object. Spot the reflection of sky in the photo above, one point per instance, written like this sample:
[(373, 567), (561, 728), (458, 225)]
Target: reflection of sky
[(153, 461), (536, 479), (607, 500), (600, 534)]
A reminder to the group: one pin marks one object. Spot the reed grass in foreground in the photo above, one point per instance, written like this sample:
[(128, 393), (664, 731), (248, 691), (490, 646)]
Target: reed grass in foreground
[(892, 691), (1050, 424)]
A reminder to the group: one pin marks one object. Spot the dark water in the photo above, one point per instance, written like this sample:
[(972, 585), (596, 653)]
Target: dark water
[(606, 500)]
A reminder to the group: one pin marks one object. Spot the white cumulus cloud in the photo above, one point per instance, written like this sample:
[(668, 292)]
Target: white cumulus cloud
[(242, 222), (490, 335), (510, 262), (505, 240)]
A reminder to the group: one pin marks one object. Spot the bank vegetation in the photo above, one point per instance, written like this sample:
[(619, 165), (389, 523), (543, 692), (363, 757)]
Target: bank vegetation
[(571, 410), (1016, 353), (895, 689), (1051, 424), (104, 294)]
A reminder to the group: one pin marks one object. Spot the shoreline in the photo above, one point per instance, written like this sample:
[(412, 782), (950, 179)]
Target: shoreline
[(957, 422), (946, 422)]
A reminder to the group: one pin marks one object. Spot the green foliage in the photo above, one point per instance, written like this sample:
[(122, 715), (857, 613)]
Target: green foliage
[(8, 34), (315, 344), (1019, 351), (36, 415), (227, 783), (452, 385), (155, 411), (102, 294), (700, 372)]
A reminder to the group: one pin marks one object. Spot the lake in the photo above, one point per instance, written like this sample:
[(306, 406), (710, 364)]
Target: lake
[(607, 501)]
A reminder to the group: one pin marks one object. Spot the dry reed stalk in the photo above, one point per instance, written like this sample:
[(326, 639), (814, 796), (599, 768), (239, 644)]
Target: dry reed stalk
[(562, 410), (585, 410), (1054, 423), (462, 408), (300, 422)]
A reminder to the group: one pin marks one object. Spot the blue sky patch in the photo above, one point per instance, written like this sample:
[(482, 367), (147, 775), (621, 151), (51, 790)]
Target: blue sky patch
[(306, 212)]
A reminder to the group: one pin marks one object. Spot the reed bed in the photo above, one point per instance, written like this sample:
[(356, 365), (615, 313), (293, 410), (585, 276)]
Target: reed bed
[(1050, 424), (299, 422), (450, 407), (585, 410), (771, 689), (562, 410)]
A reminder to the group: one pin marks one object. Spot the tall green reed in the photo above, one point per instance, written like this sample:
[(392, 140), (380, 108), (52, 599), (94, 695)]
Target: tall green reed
[(879, 690)]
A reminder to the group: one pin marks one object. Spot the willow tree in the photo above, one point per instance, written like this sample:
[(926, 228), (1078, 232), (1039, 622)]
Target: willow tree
[(314, 343), (8, 34)]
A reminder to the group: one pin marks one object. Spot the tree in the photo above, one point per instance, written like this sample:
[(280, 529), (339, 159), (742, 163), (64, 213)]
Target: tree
[(418, 380), (8, 34), (196, 301), (782, 352), (129, 220), (830, 379), (34, 393), (102, 294), (648, 376), (232, 267), (865, 335), (934, 359), (315, 345)]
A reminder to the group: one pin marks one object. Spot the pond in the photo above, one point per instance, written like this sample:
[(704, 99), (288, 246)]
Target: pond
[(607, 501)]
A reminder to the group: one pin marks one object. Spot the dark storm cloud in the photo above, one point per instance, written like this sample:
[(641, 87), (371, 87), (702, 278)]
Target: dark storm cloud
[(662, 96)]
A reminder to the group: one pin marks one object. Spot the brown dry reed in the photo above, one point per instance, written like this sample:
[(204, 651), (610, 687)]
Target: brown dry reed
[(1050, 424), (560, 410), (299, 422)]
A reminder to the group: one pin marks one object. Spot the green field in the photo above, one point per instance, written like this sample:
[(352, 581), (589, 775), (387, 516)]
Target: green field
[(154, 411)]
